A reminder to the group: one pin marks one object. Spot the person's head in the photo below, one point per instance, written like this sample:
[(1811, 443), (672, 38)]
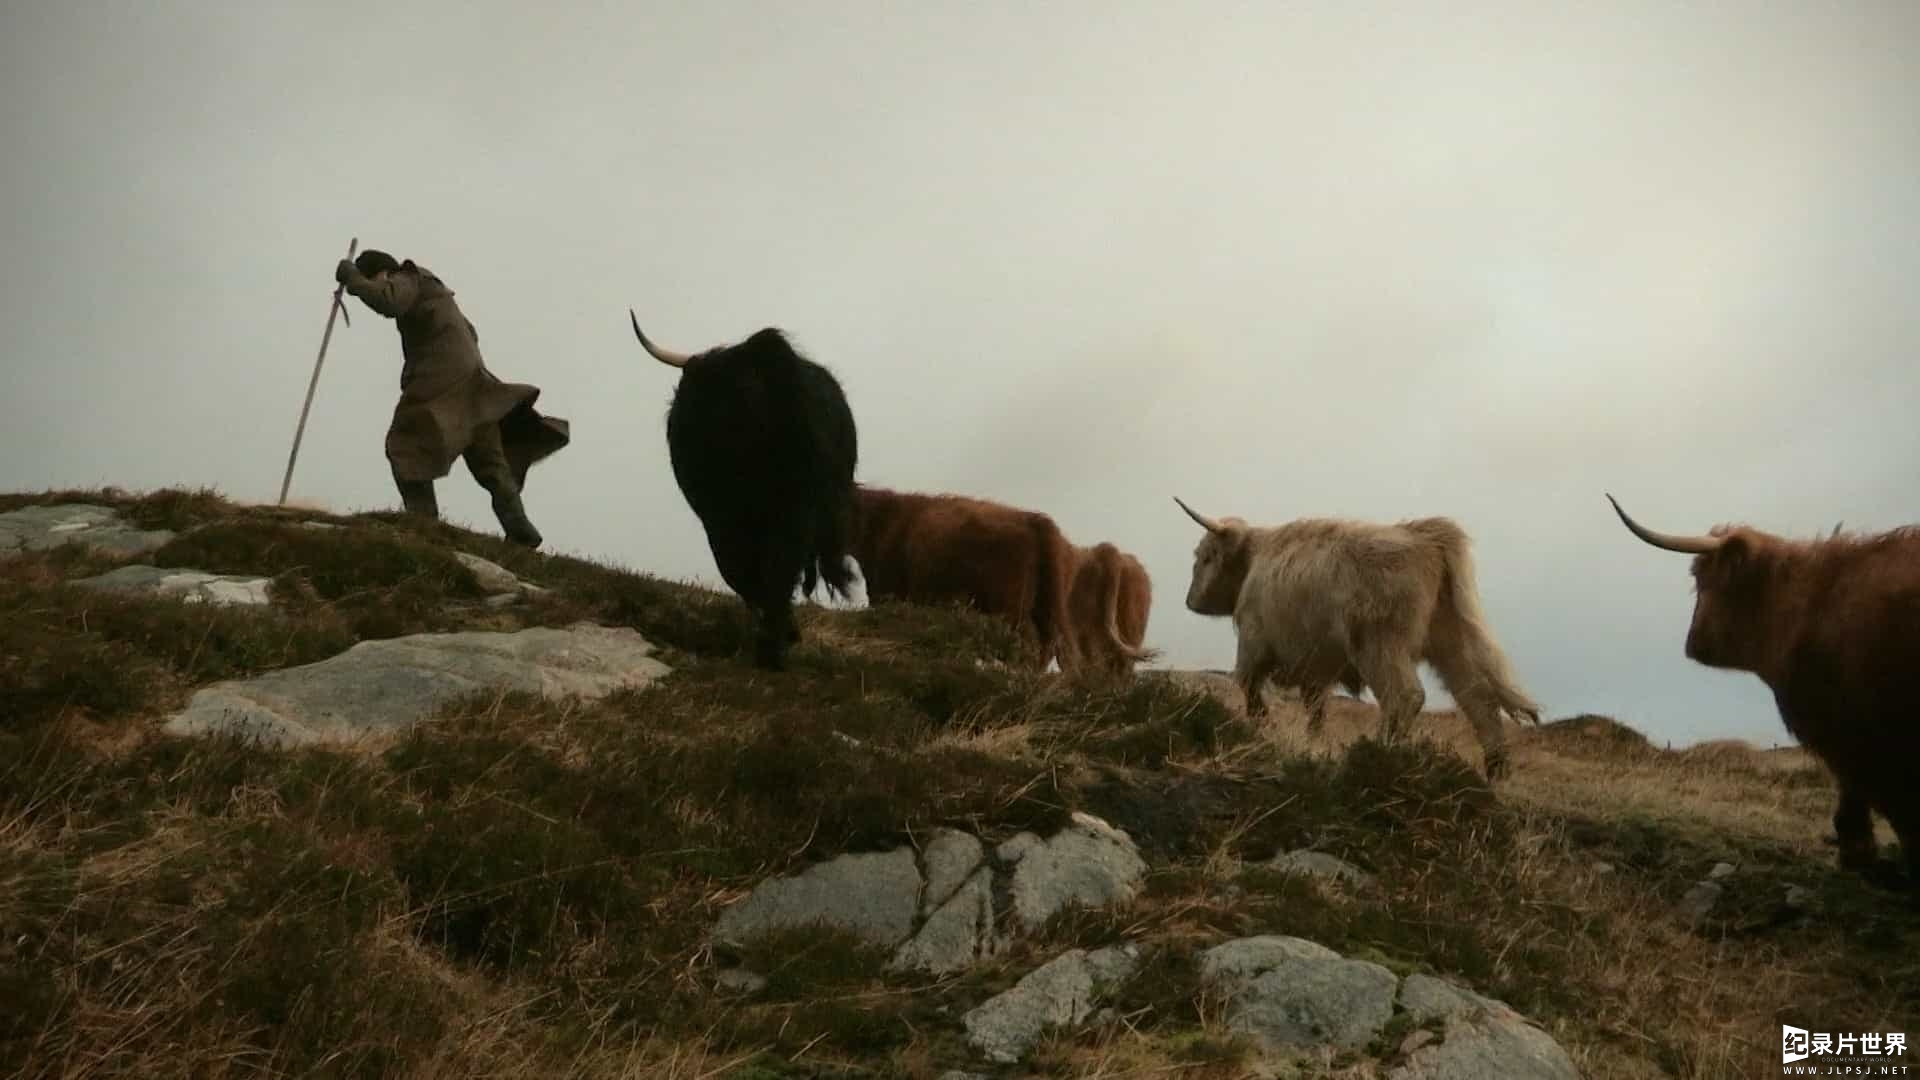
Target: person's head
[(372, 262)]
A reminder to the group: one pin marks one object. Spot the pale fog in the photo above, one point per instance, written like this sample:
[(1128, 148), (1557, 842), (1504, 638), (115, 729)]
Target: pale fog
[(1489, 260)]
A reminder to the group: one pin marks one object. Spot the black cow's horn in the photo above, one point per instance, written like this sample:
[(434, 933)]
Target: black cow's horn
[(665, 356)]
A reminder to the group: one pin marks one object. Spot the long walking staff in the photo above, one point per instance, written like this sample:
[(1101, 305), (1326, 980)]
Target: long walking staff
[(338, 308)]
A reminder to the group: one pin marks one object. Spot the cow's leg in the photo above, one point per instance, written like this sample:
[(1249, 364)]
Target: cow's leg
[(1251, 667), (1493, 740), (741, 566), (1853, 830), (1396, 683), (1313, 698), (1480, 701), (778, 629), (1350, 678), (777, 633), (774, 631)]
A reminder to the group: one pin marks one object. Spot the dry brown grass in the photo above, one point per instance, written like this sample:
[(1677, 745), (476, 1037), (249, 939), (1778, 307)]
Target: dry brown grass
[(1616, 828)]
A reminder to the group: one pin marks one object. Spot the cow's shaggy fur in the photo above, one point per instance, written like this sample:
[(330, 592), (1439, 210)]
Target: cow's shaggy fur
[(1319, 601), (1832, 626), (935, 549), (1110, 600), (763, 446)]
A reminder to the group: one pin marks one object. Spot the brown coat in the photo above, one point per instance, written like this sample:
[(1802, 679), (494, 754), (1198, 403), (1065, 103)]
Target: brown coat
[(446, 391)]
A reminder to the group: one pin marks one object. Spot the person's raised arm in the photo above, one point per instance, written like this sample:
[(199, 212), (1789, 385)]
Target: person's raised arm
[(392, 294)]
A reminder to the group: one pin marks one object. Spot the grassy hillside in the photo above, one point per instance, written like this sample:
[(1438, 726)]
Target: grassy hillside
[(522, 887)]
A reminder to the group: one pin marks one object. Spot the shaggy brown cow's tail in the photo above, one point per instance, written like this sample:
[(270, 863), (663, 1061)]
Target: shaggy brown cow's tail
[(1480, 654), (1116, 577), (1052, 617)]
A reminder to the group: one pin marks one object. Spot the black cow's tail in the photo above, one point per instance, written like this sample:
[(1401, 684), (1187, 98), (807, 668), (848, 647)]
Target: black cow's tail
[(833, 529), (832, 507), (831, 450)]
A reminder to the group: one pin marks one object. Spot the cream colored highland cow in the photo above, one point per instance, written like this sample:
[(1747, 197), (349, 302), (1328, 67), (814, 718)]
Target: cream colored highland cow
[(1318, 601)]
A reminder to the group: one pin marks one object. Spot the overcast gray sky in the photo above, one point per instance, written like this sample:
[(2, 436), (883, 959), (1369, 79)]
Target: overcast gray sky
[(1385, 260)]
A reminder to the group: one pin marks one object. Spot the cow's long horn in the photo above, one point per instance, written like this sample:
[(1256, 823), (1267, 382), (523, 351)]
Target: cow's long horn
[(1206, 522), (665, 356), (1686, 545)]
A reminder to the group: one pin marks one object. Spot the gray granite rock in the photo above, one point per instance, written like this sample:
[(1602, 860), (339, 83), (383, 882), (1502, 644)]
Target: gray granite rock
[(1289, 993), (951, 857), (1089, 863), (1504, 1046), (493, 577), (389, 685), (740, 981), (957, 934), (872, 895), (1699, 901), (1319, 864), (1063, 991), (189, 586), (1425, 998), (42, 528)]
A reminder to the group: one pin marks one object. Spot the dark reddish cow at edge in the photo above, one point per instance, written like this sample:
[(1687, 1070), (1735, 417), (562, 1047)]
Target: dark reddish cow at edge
[(935, 549), (763, 447), (1832, 626)]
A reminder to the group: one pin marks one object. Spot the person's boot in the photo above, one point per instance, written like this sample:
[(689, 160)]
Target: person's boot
[(513, 520), (416, 496)]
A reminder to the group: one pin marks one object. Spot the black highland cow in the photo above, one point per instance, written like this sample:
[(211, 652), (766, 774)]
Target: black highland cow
[(763, 447)]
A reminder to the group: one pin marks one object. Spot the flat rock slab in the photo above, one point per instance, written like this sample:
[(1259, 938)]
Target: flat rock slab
[(951, 857), (1698, 902), (941, 912), (1061, 992), (43, 528), (1296, 995), (1291, 993), (190, 586), (957, 933), (872, 895), (390, 685), (1504, 1046), (1089, 863), (1319, 864), (497, 580), (1425, 998)]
